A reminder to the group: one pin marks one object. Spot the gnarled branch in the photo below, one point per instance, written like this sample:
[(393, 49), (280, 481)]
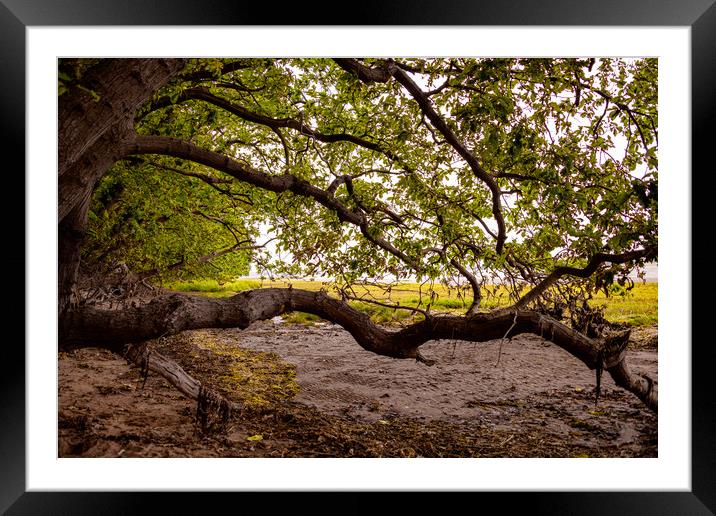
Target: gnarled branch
[(91, 326), (368, 74), (203, 94), (585, 272), (275, 183)]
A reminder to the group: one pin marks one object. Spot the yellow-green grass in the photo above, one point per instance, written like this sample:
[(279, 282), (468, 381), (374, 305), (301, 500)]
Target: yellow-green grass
[(213, 286), (637, 307)]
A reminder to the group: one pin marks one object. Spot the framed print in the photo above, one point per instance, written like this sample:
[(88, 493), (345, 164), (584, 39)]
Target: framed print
[(36, 34)]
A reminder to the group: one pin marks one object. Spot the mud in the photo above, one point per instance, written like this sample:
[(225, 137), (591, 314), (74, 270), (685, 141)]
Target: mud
[(522, 397)]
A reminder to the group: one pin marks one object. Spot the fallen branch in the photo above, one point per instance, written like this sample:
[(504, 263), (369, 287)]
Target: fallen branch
[(212, 409)]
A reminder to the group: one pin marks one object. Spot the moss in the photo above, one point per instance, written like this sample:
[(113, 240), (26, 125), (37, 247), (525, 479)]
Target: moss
[(258, 379)]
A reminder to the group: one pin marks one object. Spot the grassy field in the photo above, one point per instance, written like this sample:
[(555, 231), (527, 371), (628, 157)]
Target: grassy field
[(638, 307)]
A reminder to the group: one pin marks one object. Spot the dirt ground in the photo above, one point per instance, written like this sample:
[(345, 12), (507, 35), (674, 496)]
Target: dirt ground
[(535, 401)]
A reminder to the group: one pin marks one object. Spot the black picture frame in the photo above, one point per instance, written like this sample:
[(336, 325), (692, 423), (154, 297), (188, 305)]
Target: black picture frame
[(16, 15)]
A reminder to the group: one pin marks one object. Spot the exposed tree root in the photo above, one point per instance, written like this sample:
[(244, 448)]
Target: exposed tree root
[(212, 409), (640, 385)]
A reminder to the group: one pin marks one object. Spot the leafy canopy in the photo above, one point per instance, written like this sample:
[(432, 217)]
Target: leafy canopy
[(570, 143)]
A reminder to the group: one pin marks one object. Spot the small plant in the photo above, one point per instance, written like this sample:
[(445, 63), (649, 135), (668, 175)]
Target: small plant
[(301, 318)]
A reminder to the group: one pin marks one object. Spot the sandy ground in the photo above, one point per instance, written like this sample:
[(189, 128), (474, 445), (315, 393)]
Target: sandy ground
[(537, 401)]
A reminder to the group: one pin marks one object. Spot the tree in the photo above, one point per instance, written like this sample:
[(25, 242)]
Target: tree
[(535, 175)]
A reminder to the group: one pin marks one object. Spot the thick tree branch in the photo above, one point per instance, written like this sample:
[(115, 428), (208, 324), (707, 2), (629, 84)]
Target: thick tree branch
[(587, 271), (90, 326), (205, 95), (283, 183), (365, 73), (368, 74), (642, 386), (439, 123)]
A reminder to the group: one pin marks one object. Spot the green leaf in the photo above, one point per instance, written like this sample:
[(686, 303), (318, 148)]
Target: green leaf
[(568, 194)]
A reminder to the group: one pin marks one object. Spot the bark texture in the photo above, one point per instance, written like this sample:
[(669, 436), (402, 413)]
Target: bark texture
[(96, 117), (89, 326), (211, 406)]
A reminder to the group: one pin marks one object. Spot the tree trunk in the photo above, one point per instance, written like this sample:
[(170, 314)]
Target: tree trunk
[(110, 93), (95, 122)]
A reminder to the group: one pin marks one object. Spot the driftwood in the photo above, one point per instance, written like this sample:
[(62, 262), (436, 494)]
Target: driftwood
[(212, 409)]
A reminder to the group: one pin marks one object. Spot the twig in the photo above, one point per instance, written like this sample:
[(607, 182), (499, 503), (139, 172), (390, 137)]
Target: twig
[(499, 355), (507, 440)]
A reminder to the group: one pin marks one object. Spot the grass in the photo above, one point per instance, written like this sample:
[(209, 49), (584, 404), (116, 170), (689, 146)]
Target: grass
[(213, 286), (301, 318), (638, 307)]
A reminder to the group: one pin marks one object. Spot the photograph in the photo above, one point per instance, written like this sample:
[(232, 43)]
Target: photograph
[(440, 257), (421, 254)]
